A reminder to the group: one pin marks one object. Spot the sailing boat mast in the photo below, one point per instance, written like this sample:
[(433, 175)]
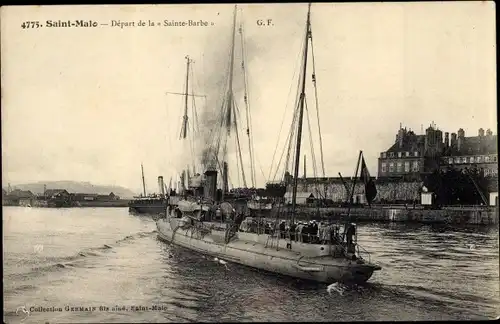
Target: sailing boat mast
[(143, 181), (301, 115)]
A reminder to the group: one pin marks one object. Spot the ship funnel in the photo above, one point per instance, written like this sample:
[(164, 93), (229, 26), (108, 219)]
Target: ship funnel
[(225, 178), (161, 185), (210, 190)]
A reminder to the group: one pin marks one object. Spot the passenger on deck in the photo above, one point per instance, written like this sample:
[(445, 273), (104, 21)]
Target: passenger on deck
[(298, 231), (314, 232), (282, 229), (267, 229), (293, 228), (351, 231), (321, 232)]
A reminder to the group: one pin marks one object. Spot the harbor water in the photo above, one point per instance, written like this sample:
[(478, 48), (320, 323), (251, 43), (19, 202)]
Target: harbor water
[(104, 265)]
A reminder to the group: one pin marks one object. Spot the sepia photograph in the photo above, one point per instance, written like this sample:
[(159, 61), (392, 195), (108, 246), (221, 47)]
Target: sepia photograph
[(256, 162)]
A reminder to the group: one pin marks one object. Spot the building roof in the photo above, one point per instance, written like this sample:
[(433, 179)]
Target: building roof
[(411, 143), (300, 194), (21, 193), (86, 194), (475, 145), (52, 192)]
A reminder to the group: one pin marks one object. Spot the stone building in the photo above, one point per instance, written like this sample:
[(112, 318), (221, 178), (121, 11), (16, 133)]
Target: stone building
[(474, 151), (414, 155)]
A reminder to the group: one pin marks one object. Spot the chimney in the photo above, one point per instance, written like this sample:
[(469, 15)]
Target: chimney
[(225, 178), (188, 175), (453, 140), (161, 186), (401, 136), (460, 139), (480, 132), (210, 190), (305, 176), (183, 181), (446, 139)]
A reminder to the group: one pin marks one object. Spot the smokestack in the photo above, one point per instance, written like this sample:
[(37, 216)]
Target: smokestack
[(188, 175), (183, 181), (225, 178), (44, 188), (161, 186), (210, 190), (305, 167), (446, 139)]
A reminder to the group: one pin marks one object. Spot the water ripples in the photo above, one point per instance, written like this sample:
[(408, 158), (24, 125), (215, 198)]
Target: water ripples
[(428, 273)]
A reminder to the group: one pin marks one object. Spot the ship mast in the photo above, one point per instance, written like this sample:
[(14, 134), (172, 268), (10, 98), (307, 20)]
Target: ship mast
[(143, 181), (186, 94), (229, 110), (301, 116)]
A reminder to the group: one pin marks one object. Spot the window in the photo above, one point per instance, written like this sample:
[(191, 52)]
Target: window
[(486, 159), (464, 159), (400, 167), (391, 154), (407, 166), (391, 167), (471, 159), (479, 159), (486, 172), (450, 161), (457, 160), (494, 158), (415, 153), (416, 166), (399, 154), (383, 155), (384, 167), (407, 154)]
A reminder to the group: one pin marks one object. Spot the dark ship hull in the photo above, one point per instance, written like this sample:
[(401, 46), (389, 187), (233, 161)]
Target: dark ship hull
[(147, 206)]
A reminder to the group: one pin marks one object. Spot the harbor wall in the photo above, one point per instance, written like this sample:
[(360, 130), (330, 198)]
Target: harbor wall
[(110, 203), (478, 215), (83, 204), (387, 191)]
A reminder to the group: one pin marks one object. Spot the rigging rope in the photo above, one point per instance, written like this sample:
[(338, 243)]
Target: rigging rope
[(247, 105), (291, 138), (311, 143), (239, 149), (317, 105), (285, 113)]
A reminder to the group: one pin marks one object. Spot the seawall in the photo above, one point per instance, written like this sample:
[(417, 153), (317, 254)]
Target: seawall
[(449, 215), (83, 204), (111, 203)]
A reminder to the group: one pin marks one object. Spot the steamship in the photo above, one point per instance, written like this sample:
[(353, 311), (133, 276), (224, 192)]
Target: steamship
[(207, 218), (152, 204)]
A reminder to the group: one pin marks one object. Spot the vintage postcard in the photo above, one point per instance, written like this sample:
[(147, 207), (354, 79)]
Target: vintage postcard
[(249, 162)]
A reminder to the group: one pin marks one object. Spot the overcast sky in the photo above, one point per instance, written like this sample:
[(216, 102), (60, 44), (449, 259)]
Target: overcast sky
[(89, 104)]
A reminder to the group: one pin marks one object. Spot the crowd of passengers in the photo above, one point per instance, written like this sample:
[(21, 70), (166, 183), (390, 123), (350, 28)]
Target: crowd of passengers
[(306, 232)]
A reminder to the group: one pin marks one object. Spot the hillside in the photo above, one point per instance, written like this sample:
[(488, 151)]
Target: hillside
[(76, 186)]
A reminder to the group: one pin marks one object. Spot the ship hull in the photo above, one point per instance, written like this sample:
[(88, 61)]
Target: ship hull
[(157, 208), (245, 249)]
